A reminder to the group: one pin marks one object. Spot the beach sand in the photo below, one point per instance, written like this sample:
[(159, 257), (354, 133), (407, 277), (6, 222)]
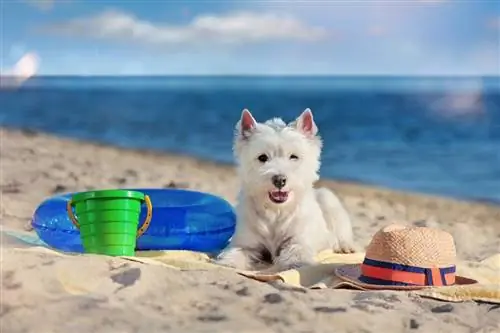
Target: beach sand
[(124, 296)]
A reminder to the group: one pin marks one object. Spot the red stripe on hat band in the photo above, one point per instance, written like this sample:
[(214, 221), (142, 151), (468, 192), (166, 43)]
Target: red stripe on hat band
[(393, 275)]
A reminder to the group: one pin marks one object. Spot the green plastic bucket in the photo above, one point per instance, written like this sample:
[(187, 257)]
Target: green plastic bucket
[(109, 220)]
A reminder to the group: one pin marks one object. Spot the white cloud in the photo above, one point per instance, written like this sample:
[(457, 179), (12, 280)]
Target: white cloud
[(242, 27), (26, 66), (23, 69)]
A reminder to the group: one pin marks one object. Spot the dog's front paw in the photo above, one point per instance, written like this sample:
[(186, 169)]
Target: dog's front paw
[(344, 248), (294, 256), (234, 258)]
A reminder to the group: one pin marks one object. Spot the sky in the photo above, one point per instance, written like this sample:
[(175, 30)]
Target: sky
[(253, 37)]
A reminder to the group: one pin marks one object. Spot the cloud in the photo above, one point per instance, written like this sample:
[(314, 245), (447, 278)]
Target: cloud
[(241, 27), (23, 69)]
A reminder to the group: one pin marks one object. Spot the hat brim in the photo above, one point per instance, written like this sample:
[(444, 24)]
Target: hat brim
[(350, 276)]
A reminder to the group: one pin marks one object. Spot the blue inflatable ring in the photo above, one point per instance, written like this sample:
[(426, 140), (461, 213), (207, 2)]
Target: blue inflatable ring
[(182, 220)]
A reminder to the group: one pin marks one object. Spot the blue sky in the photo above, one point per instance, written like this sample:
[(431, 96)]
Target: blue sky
[(371, 37)]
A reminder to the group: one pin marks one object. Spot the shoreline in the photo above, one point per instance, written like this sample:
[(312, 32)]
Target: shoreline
[(343, 183)]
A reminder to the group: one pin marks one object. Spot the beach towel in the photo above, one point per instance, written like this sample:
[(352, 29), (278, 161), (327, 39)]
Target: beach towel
[(320, 276)]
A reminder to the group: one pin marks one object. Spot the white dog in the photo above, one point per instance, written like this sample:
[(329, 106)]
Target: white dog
[(282, 220)]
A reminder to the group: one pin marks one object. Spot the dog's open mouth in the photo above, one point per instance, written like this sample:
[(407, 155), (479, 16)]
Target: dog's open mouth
[(278, 196)]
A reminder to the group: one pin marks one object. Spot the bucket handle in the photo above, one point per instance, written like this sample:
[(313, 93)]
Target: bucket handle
[(140, 232)]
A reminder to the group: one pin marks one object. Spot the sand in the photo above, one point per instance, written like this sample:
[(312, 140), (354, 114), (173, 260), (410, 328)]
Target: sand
[(125, 296)]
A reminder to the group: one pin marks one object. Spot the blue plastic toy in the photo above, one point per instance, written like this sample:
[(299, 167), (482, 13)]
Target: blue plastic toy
[(182, 220)]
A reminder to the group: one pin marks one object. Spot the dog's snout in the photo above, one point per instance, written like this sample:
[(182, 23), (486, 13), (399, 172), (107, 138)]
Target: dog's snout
[(279, 181)]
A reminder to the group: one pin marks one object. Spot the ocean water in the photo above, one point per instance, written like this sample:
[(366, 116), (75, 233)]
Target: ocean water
[(430, 135)]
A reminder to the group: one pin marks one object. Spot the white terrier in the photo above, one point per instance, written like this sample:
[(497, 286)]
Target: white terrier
[(281, 219)]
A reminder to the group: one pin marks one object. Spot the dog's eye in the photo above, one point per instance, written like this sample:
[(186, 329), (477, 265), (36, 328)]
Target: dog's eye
[(263, 158), (294, 157)]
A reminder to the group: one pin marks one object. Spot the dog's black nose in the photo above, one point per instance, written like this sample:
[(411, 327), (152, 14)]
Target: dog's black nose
[(279, 181)]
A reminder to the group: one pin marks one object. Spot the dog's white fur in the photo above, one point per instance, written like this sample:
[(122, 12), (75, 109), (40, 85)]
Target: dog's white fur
[(288, 234)]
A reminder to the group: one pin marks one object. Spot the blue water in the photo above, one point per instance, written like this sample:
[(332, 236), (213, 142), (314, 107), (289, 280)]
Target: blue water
[(431, 135)]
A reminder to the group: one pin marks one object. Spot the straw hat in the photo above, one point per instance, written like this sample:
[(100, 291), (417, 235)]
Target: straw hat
[(400, 257)]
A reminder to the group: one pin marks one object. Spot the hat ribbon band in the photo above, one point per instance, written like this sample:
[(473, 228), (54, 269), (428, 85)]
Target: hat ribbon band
[(386, 273)]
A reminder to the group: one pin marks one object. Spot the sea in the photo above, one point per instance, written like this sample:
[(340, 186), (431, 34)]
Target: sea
[(434, 135)]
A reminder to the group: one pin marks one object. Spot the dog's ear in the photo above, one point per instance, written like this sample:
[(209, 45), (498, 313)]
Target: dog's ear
[(305, 123), (247, 123)]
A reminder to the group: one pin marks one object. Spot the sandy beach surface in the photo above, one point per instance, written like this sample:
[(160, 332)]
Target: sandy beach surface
[(124, 296)]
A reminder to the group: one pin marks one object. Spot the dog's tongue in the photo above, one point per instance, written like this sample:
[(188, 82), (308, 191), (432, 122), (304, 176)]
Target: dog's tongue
[(279, 195)]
